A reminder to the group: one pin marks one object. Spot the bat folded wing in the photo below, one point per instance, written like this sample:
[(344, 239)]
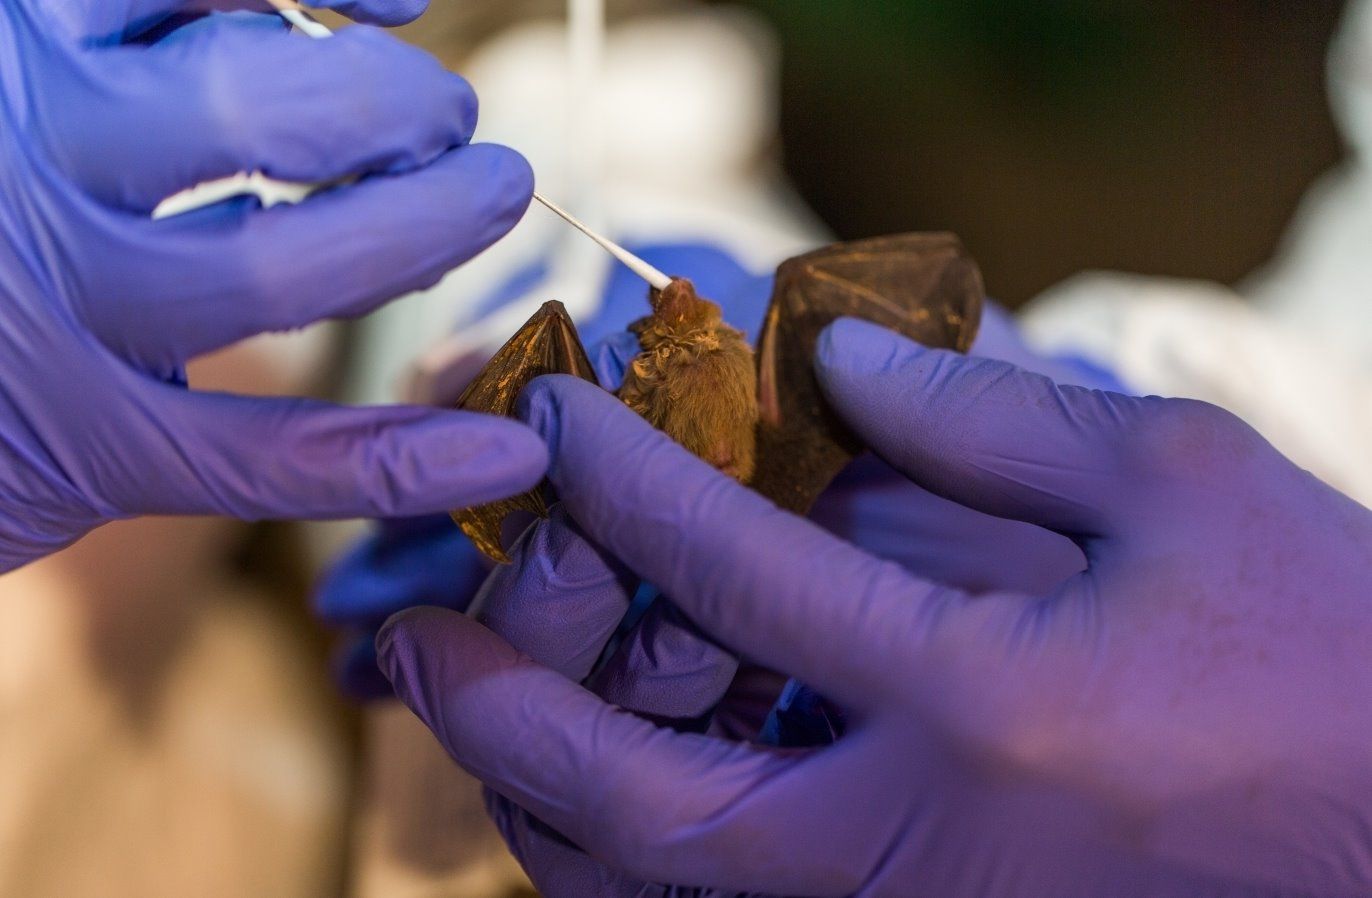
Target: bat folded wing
[(924, 286), (546, 344)]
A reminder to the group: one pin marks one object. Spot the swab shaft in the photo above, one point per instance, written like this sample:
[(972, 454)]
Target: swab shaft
[(635, 264)]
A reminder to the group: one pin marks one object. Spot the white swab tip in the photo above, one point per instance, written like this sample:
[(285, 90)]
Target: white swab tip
[(638, 266)]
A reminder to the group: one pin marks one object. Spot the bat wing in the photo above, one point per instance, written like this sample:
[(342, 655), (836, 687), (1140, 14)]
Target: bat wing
[(924, 286), (546, 344)]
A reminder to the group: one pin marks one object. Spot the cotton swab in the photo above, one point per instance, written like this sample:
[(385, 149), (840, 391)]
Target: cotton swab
[(296, 15), (635, 264)]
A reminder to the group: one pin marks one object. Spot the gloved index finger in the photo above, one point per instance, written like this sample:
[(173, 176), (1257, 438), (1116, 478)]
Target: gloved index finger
[(94, 23), (278, 269), (988, 435), (658, 805), (770, 585)]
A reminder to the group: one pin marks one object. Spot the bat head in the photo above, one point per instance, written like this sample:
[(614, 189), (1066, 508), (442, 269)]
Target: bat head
[(695, 379)]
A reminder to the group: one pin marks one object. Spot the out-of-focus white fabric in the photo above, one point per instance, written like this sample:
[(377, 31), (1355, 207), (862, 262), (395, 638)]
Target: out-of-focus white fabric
[(1320, 283), (1203, 341), (1289, 350)]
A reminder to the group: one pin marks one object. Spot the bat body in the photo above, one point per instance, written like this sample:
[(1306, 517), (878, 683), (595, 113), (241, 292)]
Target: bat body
[(760, 418), (695, 379)]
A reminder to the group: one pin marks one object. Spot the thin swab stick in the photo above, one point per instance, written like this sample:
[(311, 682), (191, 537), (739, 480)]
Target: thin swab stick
[(296, 15), (634, 263)]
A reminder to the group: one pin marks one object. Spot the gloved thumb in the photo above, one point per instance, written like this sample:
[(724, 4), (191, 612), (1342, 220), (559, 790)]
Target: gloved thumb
[(985, 433)]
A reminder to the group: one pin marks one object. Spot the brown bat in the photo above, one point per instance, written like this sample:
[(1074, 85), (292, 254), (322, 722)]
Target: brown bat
[(760, 418)]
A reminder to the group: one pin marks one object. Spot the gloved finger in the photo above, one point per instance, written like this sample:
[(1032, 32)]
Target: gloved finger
[(560, 600), (770, 585), (107, 22), (257, 458), (134, 125), (984, 433), (355, 671), (375, 12), (656, 804), (666, 670), (563, 599), (402, 563), (881, 511), (277, 269)]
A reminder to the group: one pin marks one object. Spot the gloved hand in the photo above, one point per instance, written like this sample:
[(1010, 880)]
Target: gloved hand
[(402, 564), (869, 504), (428, 561), (100, 306), (1185, 717)]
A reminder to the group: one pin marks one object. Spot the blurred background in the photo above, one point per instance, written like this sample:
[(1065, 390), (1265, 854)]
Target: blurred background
[(1169, 136), (168, 725), (1157, 136)]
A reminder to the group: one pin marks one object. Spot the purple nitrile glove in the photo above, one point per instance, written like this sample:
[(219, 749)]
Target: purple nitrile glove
[(400, 565), (1187, 716), (100, 306), (869, 503)]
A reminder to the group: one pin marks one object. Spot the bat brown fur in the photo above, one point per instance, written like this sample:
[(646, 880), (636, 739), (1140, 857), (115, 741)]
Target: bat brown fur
[(695, 379)]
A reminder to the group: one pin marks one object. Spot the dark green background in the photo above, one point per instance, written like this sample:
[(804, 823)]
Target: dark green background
[(1055, 135)]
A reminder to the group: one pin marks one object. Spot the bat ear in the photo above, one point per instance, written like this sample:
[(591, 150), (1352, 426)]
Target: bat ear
[(984, 433)]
